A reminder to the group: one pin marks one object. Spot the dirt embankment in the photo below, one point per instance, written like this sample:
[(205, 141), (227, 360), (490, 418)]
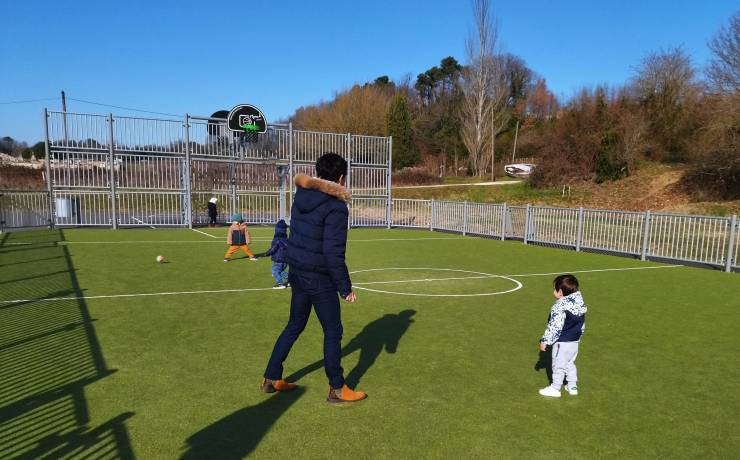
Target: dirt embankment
[(653, 187)]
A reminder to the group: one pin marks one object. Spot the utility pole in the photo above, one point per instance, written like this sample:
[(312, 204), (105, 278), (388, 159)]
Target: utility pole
[(516, 135)]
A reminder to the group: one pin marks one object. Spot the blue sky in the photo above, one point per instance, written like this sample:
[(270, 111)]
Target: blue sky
[(198, 57)]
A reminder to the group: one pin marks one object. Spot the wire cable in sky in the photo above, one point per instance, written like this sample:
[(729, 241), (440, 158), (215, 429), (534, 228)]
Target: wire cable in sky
[(123, 108), (30, 100)]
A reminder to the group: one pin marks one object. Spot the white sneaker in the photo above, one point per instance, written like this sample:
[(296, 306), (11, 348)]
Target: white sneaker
[(550, 391), (253, 259), (572, 390)]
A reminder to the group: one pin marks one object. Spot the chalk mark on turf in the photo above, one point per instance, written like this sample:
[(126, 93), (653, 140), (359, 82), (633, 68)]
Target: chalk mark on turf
[(601, 270), (480, 294), (208, 241), (218, 291), (510, 277), (142, 222), (426, 280), (203, 233), (143, 294)]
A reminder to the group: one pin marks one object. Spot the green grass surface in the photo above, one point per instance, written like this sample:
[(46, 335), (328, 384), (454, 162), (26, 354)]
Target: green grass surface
[(169, 376), (511, 193)]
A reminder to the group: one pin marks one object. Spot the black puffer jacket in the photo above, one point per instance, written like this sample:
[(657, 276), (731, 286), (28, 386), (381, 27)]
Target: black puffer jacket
[(279, 245), (318, 231)]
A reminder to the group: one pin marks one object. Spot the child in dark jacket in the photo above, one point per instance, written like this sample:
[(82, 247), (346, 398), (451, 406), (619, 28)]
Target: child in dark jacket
[(278, 252)]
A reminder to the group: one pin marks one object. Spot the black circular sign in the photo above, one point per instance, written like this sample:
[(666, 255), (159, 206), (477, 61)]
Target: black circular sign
[(245, 118)]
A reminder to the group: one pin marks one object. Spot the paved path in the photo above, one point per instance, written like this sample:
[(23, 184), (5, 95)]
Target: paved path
[(503, 182)]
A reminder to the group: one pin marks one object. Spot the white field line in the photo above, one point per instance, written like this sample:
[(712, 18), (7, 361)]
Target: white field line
[(484, 276), (427, 280), (253, 239), (218, 291), (599, 270), (142, 222), (144, 294), (203, 233)]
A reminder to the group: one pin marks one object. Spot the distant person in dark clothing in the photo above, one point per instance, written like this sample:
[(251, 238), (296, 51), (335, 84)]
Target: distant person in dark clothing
[(212, 212), (316, 246)]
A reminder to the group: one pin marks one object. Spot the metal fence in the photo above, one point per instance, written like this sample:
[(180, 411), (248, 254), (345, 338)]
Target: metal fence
[(23, 209), (692, 239), (107, 170), (122, 171), (706, 240)]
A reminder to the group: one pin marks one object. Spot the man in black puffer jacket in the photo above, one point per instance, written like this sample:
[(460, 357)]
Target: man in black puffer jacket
[(316, 246)]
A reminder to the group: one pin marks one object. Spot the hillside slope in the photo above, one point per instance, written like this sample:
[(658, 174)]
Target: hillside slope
[(655, 187)]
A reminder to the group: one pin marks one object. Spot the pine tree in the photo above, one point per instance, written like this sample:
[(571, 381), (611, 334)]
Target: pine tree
[(398, 121)]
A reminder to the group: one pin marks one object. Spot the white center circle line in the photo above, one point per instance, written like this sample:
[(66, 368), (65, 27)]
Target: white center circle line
[(481, 276)]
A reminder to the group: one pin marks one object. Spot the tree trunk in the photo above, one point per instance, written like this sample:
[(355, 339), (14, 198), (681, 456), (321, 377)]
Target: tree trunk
[(493, 158), (516, 136)]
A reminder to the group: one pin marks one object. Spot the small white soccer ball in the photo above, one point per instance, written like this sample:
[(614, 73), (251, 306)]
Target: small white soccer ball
[(160, 259)]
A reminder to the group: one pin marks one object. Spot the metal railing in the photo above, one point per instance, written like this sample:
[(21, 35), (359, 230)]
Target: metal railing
[(705, 240), (111, 171), (23, 209), (108, 170), (689, 239)]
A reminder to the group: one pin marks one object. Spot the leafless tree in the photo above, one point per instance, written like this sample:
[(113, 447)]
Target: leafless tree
[(666, 74), (478, 77), (724, 69), (666, 87)]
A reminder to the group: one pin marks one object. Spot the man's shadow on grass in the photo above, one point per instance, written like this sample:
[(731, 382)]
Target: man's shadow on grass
[(384, 332), (238, 434)]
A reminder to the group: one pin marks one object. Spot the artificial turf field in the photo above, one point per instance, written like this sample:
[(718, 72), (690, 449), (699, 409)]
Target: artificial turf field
[(91, 366)]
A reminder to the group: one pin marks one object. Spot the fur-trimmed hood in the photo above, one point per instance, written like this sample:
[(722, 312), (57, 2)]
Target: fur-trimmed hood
[(324, 186)]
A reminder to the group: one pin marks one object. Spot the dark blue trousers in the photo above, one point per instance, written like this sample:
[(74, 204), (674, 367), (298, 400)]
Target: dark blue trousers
[(317, 290)]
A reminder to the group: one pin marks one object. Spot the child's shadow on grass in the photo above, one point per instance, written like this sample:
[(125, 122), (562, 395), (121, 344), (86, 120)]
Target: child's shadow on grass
[(545, 362), (384, 332), (238, 434)]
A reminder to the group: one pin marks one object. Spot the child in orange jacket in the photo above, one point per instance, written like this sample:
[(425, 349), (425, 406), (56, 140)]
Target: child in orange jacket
[(238, 238)]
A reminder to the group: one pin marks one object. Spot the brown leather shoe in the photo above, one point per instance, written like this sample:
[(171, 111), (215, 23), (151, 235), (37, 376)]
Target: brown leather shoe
[(271, 386), (345, 395)]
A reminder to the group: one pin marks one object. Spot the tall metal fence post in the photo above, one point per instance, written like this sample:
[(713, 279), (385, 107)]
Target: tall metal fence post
[(232, 175), (503, 222), (526, 224), (188, 196), (645, 236), (347, 180), (431, 215), (112, 173), (49, 180), (389, 206), (290, 165), (731, 244), (465, 218), (579, 236)]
